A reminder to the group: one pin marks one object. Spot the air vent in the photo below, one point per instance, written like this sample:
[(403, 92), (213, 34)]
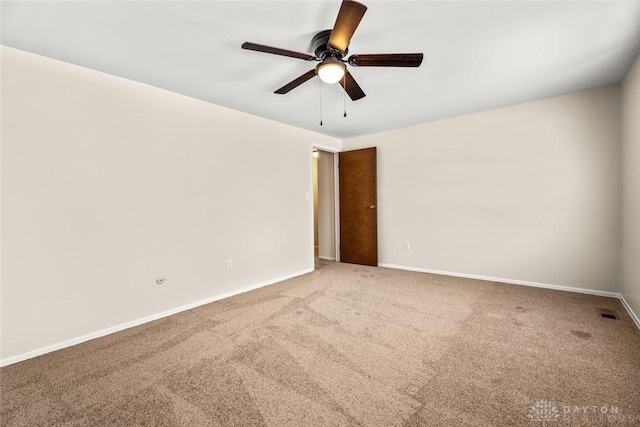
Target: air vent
[(608, 314)]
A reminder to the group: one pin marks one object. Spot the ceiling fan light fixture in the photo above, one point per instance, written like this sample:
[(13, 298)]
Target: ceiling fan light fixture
[(330, 71)]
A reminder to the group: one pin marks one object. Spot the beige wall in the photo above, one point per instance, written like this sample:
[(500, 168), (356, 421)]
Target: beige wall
[(109, 183), (326, 212), (529, 192), (631, 187)]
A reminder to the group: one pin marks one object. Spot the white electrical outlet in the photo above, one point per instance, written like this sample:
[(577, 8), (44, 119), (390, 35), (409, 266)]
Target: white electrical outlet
[(229, 264), (160, 280), (407, 246)]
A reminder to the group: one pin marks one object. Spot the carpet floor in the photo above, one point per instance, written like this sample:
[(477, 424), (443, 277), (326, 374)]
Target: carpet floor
[(348, 345)]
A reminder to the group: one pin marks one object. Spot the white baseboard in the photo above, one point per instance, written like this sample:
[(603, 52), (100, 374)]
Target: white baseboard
[(524, 283), (633, 315), (503, 280), (327, 258), (131, 324)]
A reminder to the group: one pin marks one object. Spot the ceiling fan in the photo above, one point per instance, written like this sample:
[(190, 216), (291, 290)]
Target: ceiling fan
[(331, 48)]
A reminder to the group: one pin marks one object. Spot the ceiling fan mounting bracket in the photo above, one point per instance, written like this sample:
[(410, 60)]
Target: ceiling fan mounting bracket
[(321, 48)]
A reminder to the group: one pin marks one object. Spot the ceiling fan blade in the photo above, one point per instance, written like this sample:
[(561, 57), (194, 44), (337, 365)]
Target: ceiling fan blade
[(277, 51), (349, 17), (352, 88), (386, 60), (296, 82)]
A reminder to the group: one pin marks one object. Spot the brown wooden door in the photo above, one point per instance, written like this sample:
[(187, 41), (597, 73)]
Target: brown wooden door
[(358, 207)]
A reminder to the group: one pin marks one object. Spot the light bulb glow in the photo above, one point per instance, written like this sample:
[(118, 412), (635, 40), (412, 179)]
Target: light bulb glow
[(330, 71)]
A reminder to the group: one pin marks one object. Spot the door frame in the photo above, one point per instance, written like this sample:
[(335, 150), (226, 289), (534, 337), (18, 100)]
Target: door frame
[(336, 196)]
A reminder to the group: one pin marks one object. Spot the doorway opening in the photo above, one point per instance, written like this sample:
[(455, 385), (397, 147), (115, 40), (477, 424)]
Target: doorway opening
[(324, 205)]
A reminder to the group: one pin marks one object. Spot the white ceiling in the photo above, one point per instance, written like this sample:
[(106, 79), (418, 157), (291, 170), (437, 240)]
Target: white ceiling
[(478, 55)]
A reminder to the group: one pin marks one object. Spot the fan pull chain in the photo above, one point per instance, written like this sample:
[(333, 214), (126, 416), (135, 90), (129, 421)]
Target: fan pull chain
[(320, 89), (344, 92)]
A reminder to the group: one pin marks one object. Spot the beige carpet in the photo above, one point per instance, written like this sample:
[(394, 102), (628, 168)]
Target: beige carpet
[(348, 346)]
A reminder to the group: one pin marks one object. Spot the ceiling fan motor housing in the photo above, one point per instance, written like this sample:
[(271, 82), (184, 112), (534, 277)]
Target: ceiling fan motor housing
[(320, 46)]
